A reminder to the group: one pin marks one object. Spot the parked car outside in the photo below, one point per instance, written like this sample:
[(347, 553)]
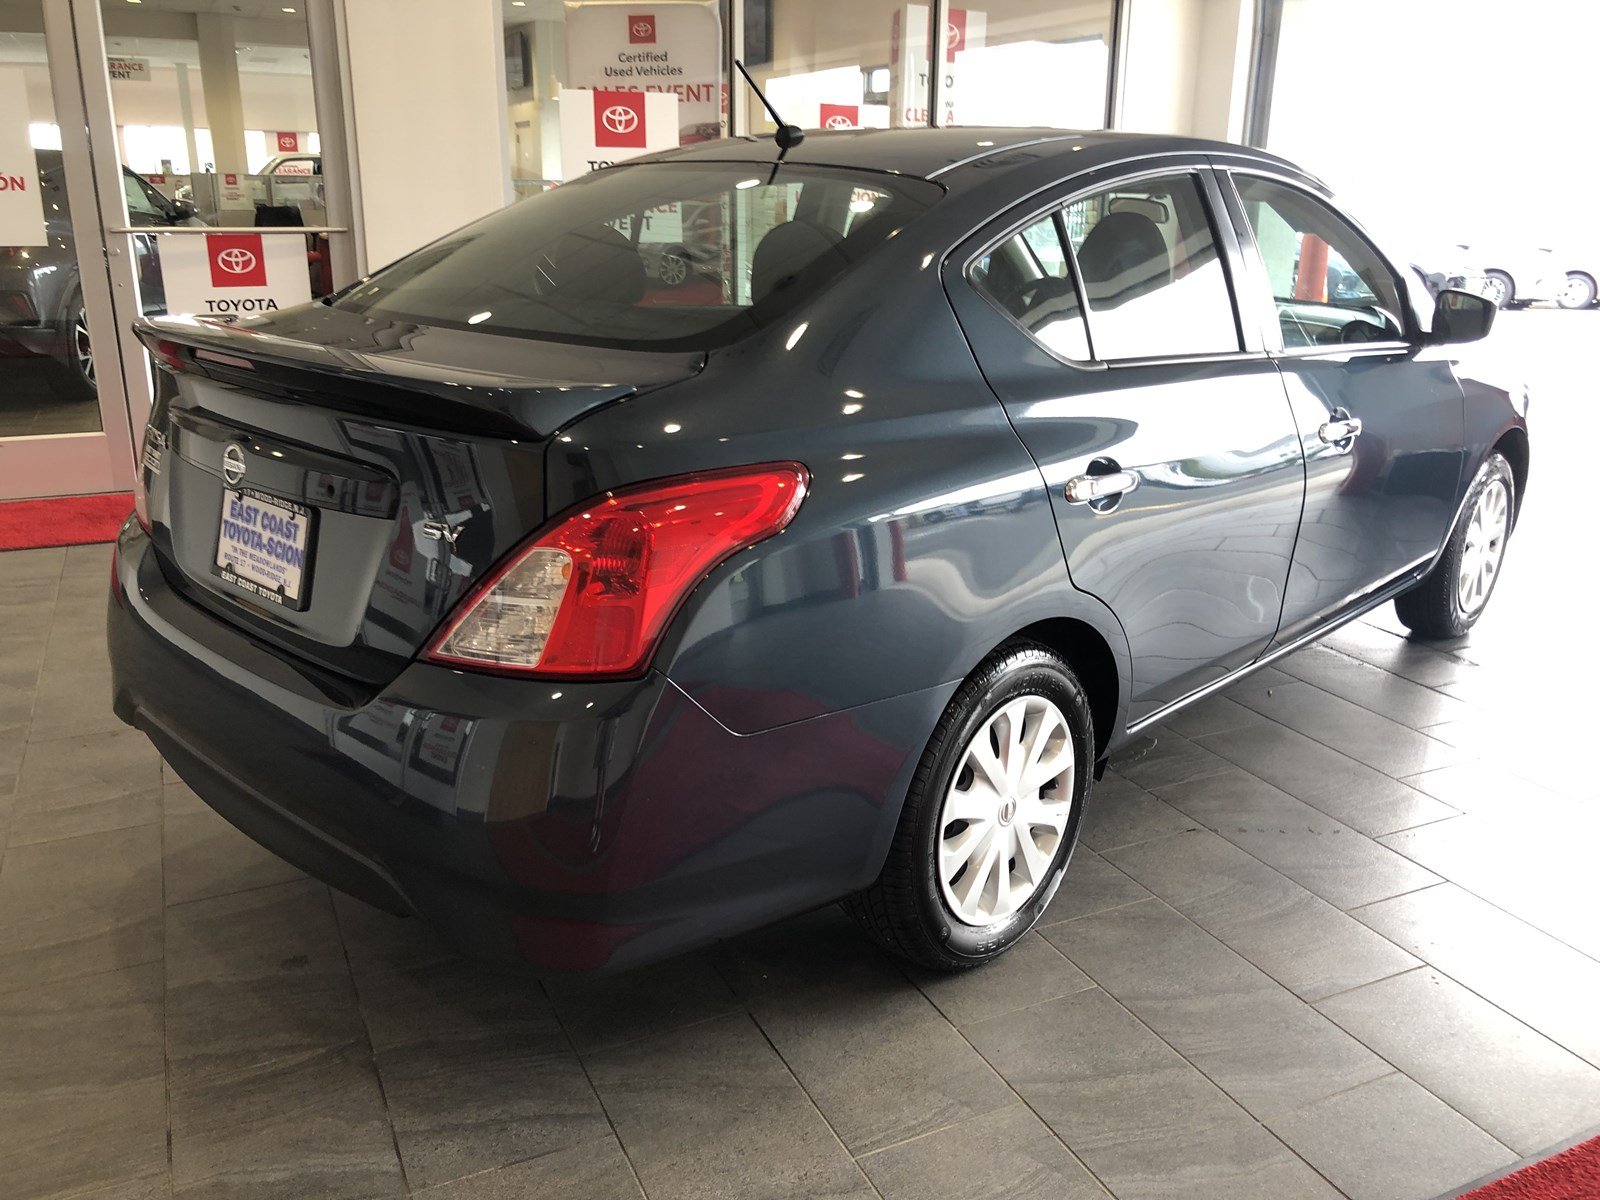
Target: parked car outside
[(594, 626), (41, 300), (1517, 275)]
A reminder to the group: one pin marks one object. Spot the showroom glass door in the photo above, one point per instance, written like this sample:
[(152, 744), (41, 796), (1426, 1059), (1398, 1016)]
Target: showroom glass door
[(167, 159), (64, 424)]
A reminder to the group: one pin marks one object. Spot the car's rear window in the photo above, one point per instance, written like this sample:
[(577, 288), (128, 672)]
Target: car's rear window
[(664, 255)]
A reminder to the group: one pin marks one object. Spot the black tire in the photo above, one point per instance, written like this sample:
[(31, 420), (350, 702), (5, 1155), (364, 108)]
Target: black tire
[(76, 354), (1580, 291), (1433, 609), (1507, 297), (906, 910)]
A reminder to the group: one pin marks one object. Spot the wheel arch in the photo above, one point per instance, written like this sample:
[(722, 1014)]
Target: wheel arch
[(1513, 445), (1089, 654)]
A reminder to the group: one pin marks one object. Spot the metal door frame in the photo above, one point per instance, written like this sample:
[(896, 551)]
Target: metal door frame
[(59, 464), (103, 460)]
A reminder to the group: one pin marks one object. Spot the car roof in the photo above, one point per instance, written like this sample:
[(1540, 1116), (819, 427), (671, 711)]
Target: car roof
[(956, 155)]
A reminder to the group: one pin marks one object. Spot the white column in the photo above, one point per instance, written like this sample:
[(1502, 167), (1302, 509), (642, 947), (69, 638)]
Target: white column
[(219, 80), (186, 110), (1187, 67), (425, 89)]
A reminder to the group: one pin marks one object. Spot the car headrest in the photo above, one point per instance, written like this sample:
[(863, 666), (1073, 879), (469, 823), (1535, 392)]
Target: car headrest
[(787, 250), (1123, 256), (596, 263)]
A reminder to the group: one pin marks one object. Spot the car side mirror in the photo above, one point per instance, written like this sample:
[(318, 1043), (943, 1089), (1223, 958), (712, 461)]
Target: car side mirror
[(183, 210), (1461, 317)]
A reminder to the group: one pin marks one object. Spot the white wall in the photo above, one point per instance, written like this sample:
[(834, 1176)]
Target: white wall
[(426, 86)]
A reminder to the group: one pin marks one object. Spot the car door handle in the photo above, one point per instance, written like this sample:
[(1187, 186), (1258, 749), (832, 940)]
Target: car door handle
[(1340, 432), (1081, 489)]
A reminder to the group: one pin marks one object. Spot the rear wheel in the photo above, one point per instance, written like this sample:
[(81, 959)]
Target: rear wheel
[(1501, 288), (992, 815), (1452, 596), (1578, 292)]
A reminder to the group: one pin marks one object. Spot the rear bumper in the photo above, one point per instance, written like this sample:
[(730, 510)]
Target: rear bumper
[(563, 826)]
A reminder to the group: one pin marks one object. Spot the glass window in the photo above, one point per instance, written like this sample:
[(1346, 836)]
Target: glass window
[(1328, 283), (558, 56), (670, 255), (142, 203), (838, 65), (1026, 62), (1027, 276), (206, 101), (1149, 263)]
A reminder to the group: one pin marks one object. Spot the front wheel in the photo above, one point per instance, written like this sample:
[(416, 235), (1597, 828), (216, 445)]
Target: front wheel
[(1452, 596), (992, 815)]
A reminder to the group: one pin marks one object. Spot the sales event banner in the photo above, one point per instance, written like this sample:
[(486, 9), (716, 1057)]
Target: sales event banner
[(908, 61), (234, 274), (21, 209), (602, 127), (674, 46)]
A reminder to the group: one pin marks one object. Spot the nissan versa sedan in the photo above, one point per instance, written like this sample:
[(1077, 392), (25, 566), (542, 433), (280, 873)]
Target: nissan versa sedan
[(593, 620)]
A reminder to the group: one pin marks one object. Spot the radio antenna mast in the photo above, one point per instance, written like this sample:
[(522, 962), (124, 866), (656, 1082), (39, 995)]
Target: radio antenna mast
[(788, 136)]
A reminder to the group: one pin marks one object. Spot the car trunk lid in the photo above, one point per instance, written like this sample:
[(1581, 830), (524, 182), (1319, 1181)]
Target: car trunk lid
[(334, 483)]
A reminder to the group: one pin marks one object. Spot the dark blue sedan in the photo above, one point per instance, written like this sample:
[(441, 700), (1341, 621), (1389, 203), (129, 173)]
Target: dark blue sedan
[(594, 615)]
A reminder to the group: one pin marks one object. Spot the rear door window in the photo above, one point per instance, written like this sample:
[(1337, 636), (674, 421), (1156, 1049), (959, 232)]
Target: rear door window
[(1151, 269), (1027, 277)]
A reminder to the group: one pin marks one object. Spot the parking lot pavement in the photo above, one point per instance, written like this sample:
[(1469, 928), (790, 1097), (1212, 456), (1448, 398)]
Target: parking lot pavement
[(1331, 932)]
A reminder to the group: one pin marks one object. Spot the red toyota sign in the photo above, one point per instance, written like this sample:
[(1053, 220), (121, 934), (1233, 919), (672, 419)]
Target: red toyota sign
[(236, 260), (955, 34), (840, 116), (288, 143), (642, 29), (619, 119)]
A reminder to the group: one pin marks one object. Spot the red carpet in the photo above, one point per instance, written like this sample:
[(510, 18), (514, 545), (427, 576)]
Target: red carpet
[(62, 521), (1571, 1175)]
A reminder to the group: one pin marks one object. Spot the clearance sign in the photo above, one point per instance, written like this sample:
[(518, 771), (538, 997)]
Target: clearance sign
[(605, 125), (234, 274), (21, 209)]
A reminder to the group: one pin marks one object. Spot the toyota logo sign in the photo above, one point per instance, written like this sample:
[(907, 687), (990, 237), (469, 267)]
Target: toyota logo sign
[(838, 121), (619, 118), (233, 463), (952, 36), (642, 29), (236, 261)]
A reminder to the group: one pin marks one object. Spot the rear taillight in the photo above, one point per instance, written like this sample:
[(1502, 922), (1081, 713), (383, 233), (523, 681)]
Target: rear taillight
[(591, 594)]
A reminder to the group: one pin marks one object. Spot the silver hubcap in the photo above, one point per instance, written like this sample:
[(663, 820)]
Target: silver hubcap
[(1006, 811), (1498, 291), (82, 351), (1484, 548)]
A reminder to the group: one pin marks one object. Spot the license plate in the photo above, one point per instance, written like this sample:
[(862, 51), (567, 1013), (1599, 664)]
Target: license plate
[(264, 546)]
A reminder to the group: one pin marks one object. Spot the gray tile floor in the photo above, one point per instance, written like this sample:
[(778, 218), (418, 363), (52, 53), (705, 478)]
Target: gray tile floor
[(1335, 932)]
